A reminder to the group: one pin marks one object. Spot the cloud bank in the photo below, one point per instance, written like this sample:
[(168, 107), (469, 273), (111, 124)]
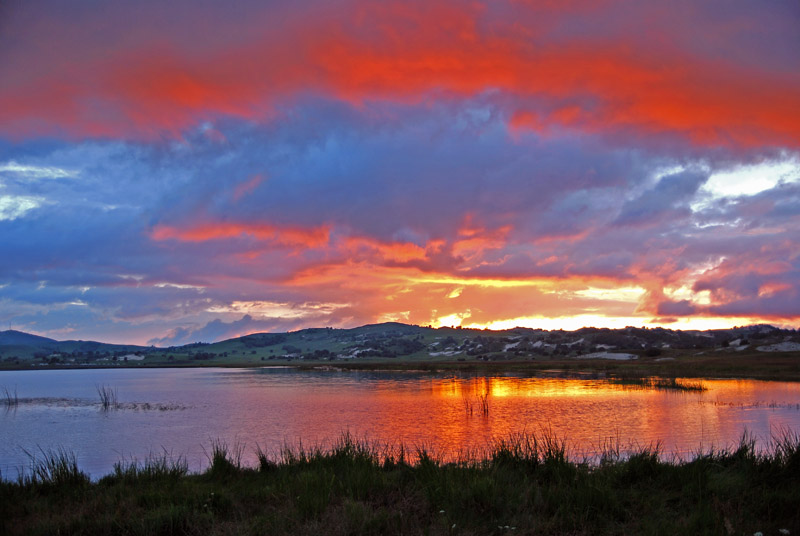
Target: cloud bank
[(530, 163)]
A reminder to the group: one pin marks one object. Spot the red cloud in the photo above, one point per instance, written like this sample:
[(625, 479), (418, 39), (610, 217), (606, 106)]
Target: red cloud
[(337, 246), (284, 236), (247, 187), (473, 241), (405, 51), (387, 251)]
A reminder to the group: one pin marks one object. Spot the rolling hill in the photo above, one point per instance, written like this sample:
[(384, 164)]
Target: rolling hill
[(19, 338), (407, 343)]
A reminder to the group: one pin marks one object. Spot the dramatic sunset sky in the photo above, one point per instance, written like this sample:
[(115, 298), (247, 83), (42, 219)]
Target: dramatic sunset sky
[(185, 171)]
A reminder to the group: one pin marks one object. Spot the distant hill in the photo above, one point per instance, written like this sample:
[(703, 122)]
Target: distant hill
[(407, 342), (18, 345), (12, 337)]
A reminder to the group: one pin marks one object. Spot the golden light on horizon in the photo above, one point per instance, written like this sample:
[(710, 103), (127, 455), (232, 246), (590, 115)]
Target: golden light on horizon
[(572, 323), (504, 387)]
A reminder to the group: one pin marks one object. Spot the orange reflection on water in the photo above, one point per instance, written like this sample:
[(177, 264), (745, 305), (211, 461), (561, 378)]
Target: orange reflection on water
[(500, 387), (273, 408), (448, 414)]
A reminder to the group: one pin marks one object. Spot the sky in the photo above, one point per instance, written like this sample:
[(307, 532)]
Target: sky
[(183, 171)]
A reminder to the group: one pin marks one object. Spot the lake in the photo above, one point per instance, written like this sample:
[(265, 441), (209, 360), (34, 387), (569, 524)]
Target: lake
[(182, 411)]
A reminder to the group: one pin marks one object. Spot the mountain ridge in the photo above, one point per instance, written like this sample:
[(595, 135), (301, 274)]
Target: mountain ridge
[(19, 338)]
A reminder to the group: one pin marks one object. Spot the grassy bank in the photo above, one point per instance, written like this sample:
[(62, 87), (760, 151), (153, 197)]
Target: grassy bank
[(524, 485), (783, 366), (756, 366)]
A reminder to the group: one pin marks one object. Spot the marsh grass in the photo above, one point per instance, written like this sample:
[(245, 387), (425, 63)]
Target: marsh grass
[(525, 481), (154, 467), (108, 397), (224, 460), (483, 402), (10, 398), (466, 402), (53, 468)]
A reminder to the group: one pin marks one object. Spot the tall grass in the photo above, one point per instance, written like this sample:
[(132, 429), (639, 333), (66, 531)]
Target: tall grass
[(225, 460), (57, 467), (526, 482), (108, 397), (467, 403), (346, 447), (154, 467), (483, 401), (653, 382)]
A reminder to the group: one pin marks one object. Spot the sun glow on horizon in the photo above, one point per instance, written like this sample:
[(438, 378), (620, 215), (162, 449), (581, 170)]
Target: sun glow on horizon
[(572, 323), (499, 387)]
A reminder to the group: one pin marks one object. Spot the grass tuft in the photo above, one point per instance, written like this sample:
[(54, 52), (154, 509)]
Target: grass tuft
[(54, 468), (265, 462), (653, 382), (224, 460), (153, 468), (10, 398), (108, 397), (483, 401), (784, 451)]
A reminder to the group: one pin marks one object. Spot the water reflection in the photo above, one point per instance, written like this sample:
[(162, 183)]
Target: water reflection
[(444, 413)]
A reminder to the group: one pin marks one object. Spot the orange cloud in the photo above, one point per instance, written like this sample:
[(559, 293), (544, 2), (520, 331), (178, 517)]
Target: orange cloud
[(469, 245), (391, 251), (397, 279), (473, 241), (247, 187), (442, 298)]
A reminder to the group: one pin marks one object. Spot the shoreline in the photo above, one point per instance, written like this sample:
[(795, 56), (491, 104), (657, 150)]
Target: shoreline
[(767, 366)]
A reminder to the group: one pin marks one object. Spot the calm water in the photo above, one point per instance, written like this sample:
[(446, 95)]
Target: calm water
[(181, 411)]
